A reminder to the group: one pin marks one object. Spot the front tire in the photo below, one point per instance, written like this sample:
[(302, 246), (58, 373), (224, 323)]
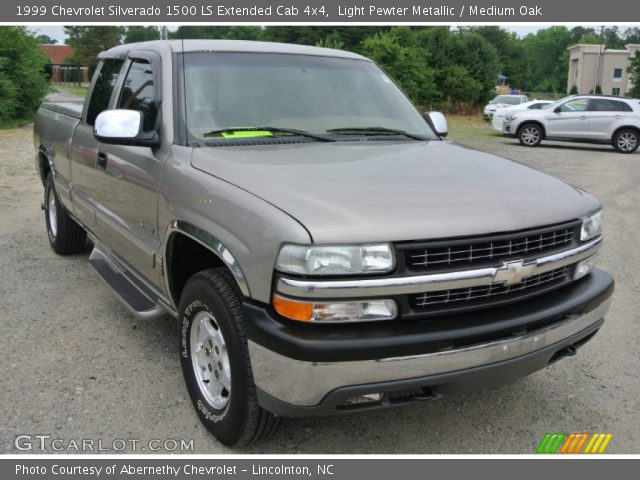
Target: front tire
[(626, 141), (215, 360), (530, 135), (65, 235)]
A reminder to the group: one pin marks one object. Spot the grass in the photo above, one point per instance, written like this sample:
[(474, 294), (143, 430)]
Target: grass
[(74, 89), (463, 128), (18, 123)]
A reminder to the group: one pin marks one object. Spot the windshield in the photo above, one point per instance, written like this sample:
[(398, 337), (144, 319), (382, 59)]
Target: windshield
[(227, 90), (508, 99)]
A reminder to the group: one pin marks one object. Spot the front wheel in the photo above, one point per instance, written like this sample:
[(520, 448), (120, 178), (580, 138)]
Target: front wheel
[(626, 141), (65, 235), (215, 360), (530, 135)]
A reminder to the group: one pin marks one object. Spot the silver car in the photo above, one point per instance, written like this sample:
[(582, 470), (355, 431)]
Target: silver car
[(580, 118)]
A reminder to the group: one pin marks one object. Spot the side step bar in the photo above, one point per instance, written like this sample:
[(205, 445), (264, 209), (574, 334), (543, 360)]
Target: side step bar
[(139, 298)]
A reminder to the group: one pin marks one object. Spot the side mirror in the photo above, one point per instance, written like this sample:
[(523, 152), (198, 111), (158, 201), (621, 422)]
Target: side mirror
[(438, 122), (557, 109), (123, 127)]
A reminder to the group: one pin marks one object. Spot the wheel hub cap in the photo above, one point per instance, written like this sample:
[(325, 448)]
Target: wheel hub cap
[(530, 136), (210, 360), (51, 212), (627, 141)]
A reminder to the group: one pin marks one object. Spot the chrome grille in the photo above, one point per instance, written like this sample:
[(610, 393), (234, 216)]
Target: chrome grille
[(462, 254), (491, 292)]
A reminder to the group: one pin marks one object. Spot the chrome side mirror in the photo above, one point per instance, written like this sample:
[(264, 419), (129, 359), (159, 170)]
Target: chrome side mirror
[(438, 122), (123, 127)]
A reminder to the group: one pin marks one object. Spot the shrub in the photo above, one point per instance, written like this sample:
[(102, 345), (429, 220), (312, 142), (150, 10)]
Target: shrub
[(23, 83)]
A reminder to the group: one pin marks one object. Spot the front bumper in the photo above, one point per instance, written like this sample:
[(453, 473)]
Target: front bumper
[(508, 129), (314, 369)]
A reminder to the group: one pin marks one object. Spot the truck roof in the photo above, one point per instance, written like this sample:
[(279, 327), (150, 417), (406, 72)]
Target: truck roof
[(121, 51)]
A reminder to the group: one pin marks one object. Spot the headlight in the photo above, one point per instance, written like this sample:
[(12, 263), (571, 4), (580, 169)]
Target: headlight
[(511, 117), (334, 312), (335, 259), (591, 226)]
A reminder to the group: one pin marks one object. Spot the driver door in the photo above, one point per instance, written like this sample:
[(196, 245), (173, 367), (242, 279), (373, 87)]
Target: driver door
[(570, 120)]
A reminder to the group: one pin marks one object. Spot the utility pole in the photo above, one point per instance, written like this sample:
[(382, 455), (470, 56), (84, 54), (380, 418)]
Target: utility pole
[(595, 79), (164, 34)]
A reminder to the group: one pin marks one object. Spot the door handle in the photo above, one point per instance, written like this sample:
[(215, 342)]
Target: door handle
[(102, 160), (583, 117)]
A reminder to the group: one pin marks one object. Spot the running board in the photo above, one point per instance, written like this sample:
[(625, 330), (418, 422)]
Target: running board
[(140, 299)]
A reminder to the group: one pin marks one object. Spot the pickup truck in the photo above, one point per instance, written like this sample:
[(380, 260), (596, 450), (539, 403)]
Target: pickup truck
[(322, 246)]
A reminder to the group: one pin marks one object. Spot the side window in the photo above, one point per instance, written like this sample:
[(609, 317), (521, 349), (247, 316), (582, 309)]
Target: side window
[(606, 105), (139, 93), (106, 80), (578, 105)]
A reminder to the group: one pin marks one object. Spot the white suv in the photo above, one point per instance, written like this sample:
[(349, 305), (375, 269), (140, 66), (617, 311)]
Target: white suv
[(580, 118)]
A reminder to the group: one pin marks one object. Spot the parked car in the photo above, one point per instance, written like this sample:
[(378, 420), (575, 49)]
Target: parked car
[(323, 248), (501, 113), (580, 118), (502, 101)]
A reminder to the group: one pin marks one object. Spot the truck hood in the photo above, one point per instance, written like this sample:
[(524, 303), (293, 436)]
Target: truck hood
[(393, 191)]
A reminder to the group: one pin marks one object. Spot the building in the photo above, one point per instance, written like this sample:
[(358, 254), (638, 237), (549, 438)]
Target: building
[(60, 71), (56, 53), (611, 67)]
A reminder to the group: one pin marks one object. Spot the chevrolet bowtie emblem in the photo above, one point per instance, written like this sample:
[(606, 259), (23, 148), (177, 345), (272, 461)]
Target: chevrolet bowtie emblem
[(513, 272)]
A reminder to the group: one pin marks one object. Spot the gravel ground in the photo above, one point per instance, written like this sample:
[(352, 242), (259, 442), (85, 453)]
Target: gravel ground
[(76, 365)]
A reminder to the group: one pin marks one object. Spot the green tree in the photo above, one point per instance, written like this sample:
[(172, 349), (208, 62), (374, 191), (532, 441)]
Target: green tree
[(397, 52), (46, 39), (221, 32), (138, 33), (23, 83), (88, 42), (465, 65), (331, 41), (512, 61), (634, 73), (632, 35), (546, 51)]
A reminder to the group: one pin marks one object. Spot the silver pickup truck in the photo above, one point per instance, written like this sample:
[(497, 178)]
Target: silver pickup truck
[(322, 246)]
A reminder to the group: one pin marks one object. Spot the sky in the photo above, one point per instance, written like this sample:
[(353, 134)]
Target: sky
[(57, 32)]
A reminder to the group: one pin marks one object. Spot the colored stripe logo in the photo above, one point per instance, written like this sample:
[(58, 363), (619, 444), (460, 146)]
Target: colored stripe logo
[(576, 442)]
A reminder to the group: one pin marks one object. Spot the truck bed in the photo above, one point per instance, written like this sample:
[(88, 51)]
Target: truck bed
[(72, 109)]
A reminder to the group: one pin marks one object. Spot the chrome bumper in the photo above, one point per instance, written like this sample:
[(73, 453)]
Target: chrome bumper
[(383, 287), (307, 383)]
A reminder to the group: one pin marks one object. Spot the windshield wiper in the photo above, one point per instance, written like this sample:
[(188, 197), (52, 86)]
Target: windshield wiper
[(276, 130), (375, 131)]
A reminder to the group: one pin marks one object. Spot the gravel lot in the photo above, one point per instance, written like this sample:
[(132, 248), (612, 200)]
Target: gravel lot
[(76, 365)]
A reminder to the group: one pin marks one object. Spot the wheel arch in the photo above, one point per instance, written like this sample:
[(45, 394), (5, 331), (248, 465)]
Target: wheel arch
[(535, 122), (625, 127), (45, 163), (183, 237)]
